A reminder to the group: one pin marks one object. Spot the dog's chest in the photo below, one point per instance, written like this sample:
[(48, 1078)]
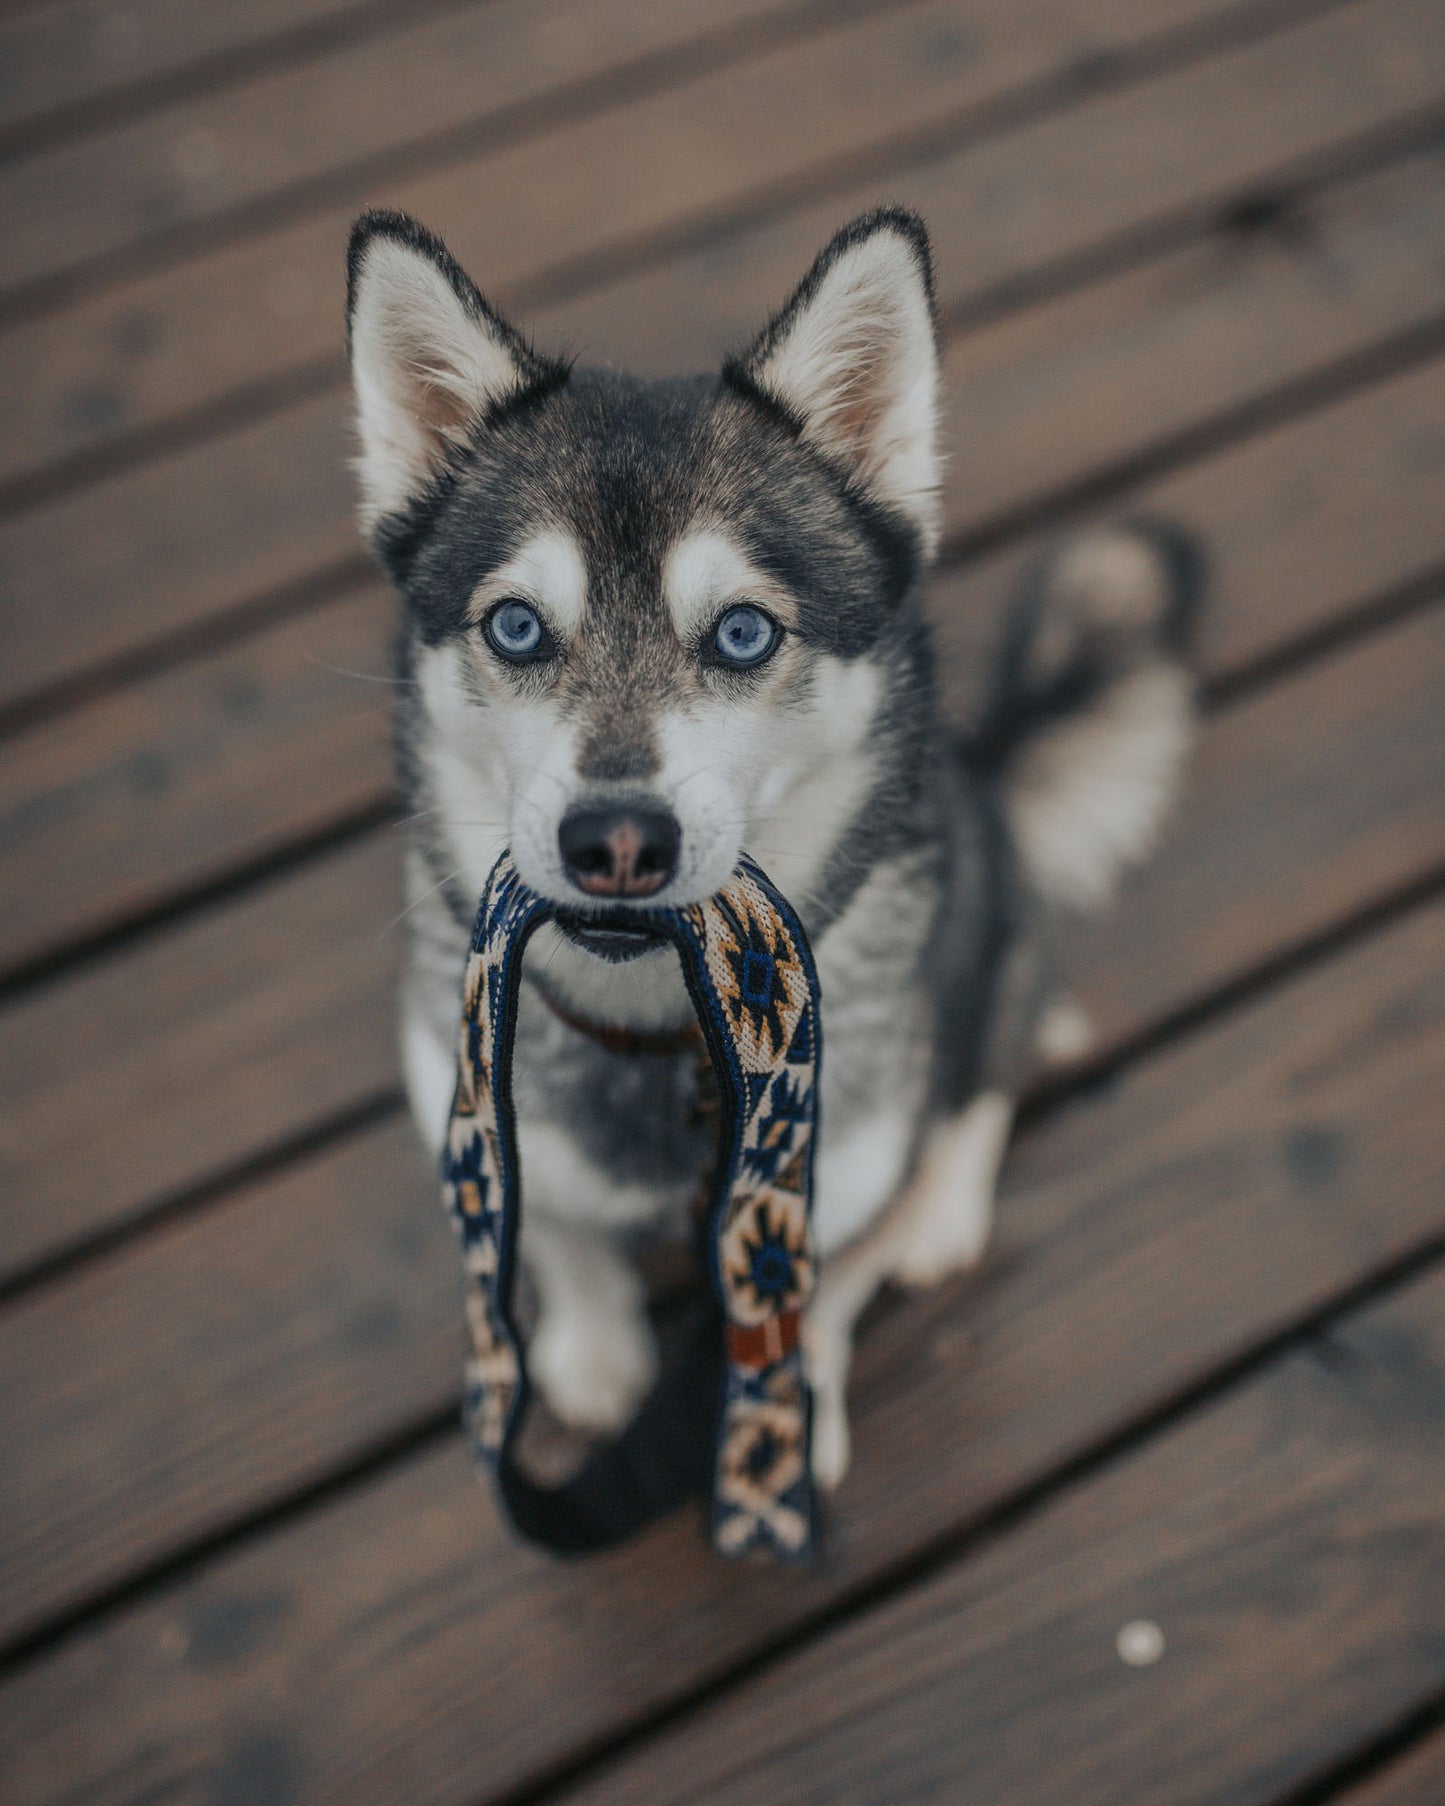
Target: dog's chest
[(620, 1138)]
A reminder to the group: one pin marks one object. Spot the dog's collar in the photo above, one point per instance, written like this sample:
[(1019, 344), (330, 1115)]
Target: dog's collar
[(621, 1037)]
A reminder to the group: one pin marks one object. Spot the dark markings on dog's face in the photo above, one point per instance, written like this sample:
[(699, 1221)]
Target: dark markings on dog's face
[(629, 517), (627, 470)]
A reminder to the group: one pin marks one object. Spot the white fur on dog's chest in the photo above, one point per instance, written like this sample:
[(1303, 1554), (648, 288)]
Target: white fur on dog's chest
[(563, 1183)]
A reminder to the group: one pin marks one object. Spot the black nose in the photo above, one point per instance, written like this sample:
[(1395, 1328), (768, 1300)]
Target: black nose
[(619, 849)]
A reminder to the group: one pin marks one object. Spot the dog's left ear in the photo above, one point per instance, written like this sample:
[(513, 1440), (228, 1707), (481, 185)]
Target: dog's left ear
[(853, 361), (429, 358)]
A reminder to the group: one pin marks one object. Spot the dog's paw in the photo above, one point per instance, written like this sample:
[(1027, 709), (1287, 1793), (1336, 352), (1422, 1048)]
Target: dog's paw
[(828, 1353), (594, 1372), (832, 1442), (945, 1218), (946, 1244), (1065, 1033)]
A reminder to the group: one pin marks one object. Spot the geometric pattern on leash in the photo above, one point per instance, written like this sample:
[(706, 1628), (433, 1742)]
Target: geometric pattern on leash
[(751, 978)]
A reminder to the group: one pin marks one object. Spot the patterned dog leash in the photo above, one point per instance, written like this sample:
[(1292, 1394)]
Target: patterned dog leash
[(750, 975)]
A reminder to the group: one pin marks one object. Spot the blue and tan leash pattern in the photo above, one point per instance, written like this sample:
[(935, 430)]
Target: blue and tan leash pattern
[(751, 978)]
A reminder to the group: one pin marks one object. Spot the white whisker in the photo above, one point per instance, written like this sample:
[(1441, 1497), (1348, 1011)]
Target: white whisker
[(417, 902), (365, 677)]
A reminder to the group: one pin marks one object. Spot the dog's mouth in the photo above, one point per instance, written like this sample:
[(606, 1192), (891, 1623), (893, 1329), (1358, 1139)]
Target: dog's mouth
[(615, 942)]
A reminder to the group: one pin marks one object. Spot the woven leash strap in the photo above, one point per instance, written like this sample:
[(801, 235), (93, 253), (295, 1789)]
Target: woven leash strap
[(752, 982)]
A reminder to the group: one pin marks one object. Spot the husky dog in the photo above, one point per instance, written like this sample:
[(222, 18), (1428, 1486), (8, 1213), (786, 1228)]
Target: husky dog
[(651, 625)]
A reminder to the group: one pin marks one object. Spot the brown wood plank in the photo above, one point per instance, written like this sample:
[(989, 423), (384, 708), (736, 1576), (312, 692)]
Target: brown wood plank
[(58, 57), (168, 342), (309, 1320), (1149, 1233), (168, 782), (1025, 202), (1368, 726), (176, 542), (142, 1074), (1414, 1779), (678, 151), (171, 781), (222, 1036), (1038, 401), (1240, 849), (1032, 409), (1300, 524), (1286, 1541)]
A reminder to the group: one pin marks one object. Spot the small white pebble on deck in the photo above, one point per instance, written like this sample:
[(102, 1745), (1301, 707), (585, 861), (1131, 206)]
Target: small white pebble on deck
[(1140, 1643)]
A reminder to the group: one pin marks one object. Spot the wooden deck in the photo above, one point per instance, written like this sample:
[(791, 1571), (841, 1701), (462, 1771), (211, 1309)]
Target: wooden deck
[(1192, 262)]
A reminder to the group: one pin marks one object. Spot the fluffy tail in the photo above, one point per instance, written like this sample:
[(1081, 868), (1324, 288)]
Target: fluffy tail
[(1092, 714)]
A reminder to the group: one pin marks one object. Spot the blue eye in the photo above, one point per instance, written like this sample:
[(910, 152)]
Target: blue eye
[(515, 630), (745, 636)]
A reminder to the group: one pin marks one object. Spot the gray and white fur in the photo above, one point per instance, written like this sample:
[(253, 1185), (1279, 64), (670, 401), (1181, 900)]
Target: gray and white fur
[(581, 557)]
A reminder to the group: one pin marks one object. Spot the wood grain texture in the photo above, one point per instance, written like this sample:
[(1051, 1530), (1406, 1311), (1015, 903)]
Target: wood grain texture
[(169, 782), (1357, 779), (1288, 1638), (1299, 524), (679, 151), (183, 540), (1151, 215), (109, 809), (1033, 408), (141, 1075), (1415, 1779), (62, 55), (223, 1035), (1027, 202), (1149, 1233), (1035, 402), (234, 1350), (171, 341)]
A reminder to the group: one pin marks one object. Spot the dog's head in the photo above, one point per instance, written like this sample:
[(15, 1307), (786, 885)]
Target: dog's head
[(650, 620)]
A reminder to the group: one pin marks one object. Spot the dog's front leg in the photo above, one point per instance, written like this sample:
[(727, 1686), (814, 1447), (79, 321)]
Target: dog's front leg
[(593, 1353), (942, 1222), (939, 1224), (848, 1281), (858, 1174)]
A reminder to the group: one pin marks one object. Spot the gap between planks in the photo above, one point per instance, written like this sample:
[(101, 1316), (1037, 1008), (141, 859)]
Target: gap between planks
[(1403, 1766), (565, 281), (1287, 188), (227, 66), (1022, 1502), (1219, 689), (654, 72), (1243, 581), (1314, 386), (440, 1424), (800, 1728)]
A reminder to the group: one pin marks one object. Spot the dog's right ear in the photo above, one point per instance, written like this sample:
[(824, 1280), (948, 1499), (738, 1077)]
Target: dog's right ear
[(429, 358), (852, 362)]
